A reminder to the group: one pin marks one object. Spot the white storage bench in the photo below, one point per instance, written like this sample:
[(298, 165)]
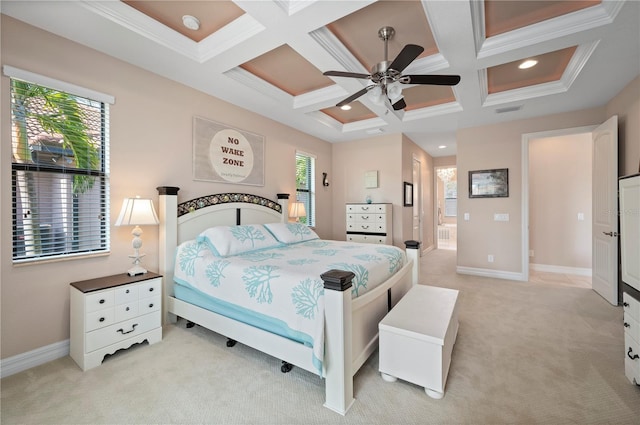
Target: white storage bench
[(417, 337)]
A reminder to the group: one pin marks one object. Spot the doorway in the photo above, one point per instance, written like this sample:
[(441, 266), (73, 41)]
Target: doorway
[(603, 204), (446, 207)]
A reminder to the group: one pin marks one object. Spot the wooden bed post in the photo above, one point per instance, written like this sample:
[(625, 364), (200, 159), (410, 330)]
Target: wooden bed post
[(168, 240), (413, 253), (338, 339)]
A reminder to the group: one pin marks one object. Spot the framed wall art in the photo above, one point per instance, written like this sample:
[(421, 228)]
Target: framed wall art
[(408, 194), (489, 183), (225, 154)]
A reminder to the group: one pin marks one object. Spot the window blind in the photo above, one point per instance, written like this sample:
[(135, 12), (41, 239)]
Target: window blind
[(60, 163), (305, 185)]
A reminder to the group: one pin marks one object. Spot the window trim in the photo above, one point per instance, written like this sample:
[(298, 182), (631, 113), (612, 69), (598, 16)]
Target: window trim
[(103, 174)]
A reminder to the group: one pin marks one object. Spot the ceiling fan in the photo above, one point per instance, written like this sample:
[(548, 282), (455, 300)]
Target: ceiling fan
[(387, 76)]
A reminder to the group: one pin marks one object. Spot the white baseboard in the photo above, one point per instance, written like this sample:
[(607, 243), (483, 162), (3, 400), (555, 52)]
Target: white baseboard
[(24, 361), (498, 274), (578, 271)]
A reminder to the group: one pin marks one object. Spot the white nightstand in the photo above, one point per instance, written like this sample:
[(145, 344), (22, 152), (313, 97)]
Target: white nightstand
[(111, 313)]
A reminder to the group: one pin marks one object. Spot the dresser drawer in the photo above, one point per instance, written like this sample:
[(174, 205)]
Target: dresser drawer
[(631, 306), (631, 327), (99, 319), (631, 359), (99, 300), (366, 239), (115, 333)]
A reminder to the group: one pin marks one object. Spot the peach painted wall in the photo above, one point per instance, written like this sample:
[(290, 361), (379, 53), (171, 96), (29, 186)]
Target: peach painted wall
[(350, 161), (627, 106), (559, 190), (499, 146), (151, 145)]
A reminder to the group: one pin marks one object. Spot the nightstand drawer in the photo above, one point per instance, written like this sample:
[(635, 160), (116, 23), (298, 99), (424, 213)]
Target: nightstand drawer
[(99, 300), (126, 294), (150, 288), (126, 311), (99, 319), (103, 337), (148, 305)]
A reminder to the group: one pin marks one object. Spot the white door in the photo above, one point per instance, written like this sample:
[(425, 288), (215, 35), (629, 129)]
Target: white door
[(605, 210), (417, 200)]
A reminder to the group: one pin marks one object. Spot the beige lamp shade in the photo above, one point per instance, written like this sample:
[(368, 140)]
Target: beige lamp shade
[(297, 210), (137, 212)]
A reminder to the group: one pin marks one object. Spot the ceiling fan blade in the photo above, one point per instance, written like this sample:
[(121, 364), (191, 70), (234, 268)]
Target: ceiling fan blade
[(406, 56), (400, 104), (436, 80), (345, 74), (354, 96)]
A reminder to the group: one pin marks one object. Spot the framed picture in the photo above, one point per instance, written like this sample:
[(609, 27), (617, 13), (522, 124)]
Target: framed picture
[(408, 194), (225, 154), (489, 183)]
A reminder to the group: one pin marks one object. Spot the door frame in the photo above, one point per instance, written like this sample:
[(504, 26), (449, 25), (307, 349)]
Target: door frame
[(526, 139)]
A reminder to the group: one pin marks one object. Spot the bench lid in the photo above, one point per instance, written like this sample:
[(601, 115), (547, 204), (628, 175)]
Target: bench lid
[(424, 313)]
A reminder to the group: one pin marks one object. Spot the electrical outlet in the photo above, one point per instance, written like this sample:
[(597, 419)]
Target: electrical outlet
[(490, 258), (466, 216), (531, 253)]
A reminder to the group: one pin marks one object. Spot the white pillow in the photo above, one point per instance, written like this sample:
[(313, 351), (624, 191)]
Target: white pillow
[(291, 232), (225, 241)]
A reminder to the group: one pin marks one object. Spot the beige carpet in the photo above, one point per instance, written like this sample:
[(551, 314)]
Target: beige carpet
[(526, 353)]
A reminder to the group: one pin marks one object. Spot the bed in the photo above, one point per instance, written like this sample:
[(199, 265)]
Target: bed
[(347, 332)]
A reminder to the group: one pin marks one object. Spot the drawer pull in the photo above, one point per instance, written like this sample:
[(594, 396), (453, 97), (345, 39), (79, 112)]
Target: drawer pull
[(365, 227), (365, 217), (102, 301), (151, 305), (101, 319), (126, 292), (133, 328), (126, 309), (625, 304), (635, 356), (626, 325), (150, 289), (365, 208)]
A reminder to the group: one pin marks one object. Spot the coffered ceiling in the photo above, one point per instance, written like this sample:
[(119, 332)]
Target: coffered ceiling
[(269, 56)]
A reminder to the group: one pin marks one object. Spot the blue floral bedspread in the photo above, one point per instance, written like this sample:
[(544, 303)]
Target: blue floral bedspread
[(280, 289)]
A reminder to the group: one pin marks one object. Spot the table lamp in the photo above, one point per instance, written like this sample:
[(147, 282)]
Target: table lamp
[(137, 212)]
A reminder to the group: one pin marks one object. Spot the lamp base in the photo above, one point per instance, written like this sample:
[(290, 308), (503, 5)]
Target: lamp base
[(136, 270)]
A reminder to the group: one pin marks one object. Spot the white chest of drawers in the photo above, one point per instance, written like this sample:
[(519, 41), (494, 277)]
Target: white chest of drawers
[(631, 337), (111, 313), (370, 223)]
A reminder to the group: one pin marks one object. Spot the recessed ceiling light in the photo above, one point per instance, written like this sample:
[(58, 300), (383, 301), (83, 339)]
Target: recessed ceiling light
[(528, 64), (345, 107), (191, 22), (442, 146)]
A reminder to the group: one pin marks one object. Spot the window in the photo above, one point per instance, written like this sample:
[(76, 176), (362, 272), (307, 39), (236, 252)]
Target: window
[(306, 186), (59, 168)]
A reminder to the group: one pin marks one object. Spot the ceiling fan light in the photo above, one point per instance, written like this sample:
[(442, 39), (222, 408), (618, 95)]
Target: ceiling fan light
[(394, 91), (375, 95)]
